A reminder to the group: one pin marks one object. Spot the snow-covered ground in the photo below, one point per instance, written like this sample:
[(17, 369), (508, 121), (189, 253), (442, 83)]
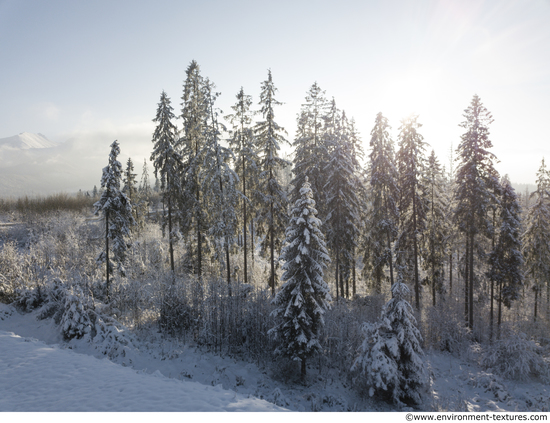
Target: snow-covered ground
[(40, 372)]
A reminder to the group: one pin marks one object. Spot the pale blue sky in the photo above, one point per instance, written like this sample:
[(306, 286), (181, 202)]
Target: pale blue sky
[(95, 69)]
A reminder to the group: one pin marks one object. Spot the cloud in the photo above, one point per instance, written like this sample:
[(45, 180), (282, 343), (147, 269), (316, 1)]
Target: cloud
[(47, 111)]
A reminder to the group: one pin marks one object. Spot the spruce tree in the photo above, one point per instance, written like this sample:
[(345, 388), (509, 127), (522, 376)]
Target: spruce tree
[(272, 214), (246, 163), (413, 202), (311, 153), (390, 357), (219, 184), (192, 148), (342, 190), (506, 259), (383, 195), (116, 209), (536, 238), (304, 297), (436, 233), (476, 182), (168, 165)]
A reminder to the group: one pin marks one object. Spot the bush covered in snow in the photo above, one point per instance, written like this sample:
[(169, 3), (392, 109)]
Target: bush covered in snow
[(390, 359), (75, 322), (516, 357)]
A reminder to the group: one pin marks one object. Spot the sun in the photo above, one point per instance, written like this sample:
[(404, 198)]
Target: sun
[(409, 93)]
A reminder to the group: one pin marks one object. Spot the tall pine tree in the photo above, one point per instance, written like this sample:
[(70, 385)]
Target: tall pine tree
[(303, 299), (383, 195), (413, 202), (476, 182), (273, 199), (168, 165), (117, 212), (536, 238)]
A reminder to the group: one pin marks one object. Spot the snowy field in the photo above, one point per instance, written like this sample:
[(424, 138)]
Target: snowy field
[(40, 372)]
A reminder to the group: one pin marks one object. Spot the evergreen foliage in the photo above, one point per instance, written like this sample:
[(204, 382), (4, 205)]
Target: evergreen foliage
[(117, 212), (311, 153), (435, 239), (382, 207), (342, 189), (167, 164), (391, 356), (506, 259), (536, 238), (413, 201), (477, 182), (303, 299), (272, 213), (246, 165)]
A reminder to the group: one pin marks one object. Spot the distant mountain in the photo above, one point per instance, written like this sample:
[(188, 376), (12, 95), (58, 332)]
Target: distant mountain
[(26, 141)]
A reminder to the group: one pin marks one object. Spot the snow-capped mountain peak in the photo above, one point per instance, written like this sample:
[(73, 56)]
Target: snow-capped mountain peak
[(26, 141)]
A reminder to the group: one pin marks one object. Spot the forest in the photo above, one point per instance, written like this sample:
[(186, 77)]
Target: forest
[(350, 258)]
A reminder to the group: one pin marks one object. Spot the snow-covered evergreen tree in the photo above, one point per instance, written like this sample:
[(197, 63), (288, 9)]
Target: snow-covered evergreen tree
[(130, 188), (536, 238), (272, 214), (413, 202), (117, 212), (311, 153), (506, 259), (436, 234), (219, 183), (341, 190), (391, 356), (168, 165), (476, 184), (246, 164), (382, 211), (192, 145), (304, 297)]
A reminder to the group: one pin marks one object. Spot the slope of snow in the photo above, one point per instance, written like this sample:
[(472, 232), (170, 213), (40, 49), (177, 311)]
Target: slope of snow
[(38, 377), (26, 141)]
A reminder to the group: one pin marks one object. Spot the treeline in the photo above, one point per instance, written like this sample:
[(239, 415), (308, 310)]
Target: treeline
[(403, 217)]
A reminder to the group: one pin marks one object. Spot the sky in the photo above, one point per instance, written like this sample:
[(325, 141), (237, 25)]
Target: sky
[(94, 71)]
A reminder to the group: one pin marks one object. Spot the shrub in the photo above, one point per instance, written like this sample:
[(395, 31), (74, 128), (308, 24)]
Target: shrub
[(516, 357)]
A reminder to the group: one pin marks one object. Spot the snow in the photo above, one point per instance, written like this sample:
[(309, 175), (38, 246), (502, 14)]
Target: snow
[(38, 369), (26, 141), (41, 377)]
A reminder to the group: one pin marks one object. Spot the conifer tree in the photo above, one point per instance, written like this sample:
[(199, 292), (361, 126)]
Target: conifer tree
[(391, 355), (192, 148), (145, 187), (311, 153), (246, 164), (435, 236), (219, 183), (168, 165), (476, 182), (506, 259), (272, 214), (342, 190), (536, 238), (130, 188), (383, 195), (413, 203), (304, 297), (116, 209)]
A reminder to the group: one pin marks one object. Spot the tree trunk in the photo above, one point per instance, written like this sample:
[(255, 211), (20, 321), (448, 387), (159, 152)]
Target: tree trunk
[(244, 220), (471, 290), (536, 303), (107, 283), (451, 274), (415, 247), (271, 230), (391, 257), (170, 243), (303, 371), (466, 281)]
